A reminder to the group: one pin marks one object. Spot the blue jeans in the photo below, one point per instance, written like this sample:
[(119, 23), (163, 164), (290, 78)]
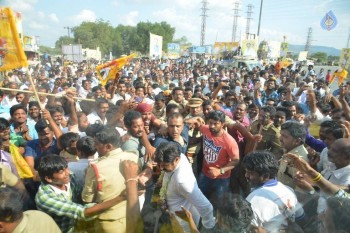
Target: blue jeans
[(214, 188)]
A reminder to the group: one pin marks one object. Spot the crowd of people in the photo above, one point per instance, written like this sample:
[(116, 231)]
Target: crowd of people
[(180, 145)]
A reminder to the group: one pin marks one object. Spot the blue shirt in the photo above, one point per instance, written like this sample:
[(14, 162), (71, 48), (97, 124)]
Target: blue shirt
[(316, 144), (34, 149), (31, 130), (184, 134)]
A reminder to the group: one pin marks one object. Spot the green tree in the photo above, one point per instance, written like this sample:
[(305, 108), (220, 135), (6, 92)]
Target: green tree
[(95, 34), (320, 57), (182, 41), (64, 40), (49, 50)]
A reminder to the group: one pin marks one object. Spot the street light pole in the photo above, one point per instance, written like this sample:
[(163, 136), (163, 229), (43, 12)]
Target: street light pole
[(261, 5), (68, 29)]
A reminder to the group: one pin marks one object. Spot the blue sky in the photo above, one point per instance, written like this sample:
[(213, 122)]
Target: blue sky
[(47, 18)]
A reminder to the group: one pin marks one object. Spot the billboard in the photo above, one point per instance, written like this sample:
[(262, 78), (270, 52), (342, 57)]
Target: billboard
[(173, 50), (220, 47), (73, 52), (250, 48), (155, 45), (197, 49), (274, 49)]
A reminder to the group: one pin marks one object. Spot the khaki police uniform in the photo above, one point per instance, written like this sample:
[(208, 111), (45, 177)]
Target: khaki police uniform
[(109, 185), (270, 139)]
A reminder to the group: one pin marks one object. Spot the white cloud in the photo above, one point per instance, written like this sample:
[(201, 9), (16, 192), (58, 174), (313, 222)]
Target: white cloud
[(41, 15), (53, 17), (115, 3), (131, 18), (85, 15), (36, 25), (20, 5)]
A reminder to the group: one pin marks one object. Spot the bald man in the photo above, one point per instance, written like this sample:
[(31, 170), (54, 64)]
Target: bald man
[(338, 172)]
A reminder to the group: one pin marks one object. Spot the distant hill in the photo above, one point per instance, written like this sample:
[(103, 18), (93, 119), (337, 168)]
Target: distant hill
[(329, 50)]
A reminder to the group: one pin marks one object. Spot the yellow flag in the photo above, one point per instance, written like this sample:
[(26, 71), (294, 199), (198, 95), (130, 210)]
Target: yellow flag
[(11, 51), (107, 71), (341, 74)]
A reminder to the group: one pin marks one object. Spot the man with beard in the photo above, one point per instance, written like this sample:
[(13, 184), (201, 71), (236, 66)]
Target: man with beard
[(34, 112), (274, 204), (221, 155), (178, 99), (269, 93), (180, 187), (292, 139), (119, 92), (135, 126), (19, 125)]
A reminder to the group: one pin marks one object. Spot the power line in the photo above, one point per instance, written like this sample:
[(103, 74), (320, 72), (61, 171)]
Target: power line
[(204, 19), (235, 19)]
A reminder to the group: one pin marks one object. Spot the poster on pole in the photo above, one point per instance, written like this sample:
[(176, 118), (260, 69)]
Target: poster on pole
[(302, 55), (274, 49), (284, 49), (173, 50), (344, 60), (155, 46), (250, 48)]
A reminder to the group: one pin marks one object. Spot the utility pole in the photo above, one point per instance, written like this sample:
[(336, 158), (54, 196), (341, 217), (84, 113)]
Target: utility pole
[(68, 29), (261, 5), (249, 18), (308, 40), (204, 19), (235, 19)]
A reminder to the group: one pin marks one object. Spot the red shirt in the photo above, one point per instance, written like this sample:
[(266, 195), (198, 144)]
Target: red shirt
[(218, 151)]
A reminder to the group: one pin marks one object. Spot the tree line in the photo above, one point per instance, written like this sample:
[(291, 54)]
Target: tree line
[(118, 40)]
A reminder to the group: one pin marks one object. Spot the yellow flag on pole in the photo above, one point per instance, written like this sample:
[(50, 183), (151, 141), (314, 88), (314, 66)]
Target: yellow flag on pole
[(107, 71), (11, 51)]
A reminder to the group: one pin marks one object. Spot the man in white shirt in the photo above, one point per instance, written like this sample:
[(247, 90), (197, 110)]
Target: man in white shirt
[(273, 203), (180, 188), (10, 99), (338, 171), (99, 115)]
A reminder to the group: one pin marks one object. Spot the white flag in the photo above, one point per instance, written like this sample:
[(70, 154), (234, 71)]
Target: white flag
[(155, 46)]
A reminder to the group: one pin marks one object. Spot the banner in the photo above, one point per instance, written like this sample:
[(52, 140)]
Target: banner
[(344, 60), (11, 51), (173, 50), (197, 49), (155, 46), (284, 49), (220, 47), (274, 49), (250, 48), (302, 55), (107, 71)]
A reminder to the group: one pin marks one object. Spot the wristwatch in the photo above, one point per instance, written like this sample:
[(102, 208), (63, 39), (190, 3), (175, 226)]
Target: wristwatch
[(312, 192), (222, 171)]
